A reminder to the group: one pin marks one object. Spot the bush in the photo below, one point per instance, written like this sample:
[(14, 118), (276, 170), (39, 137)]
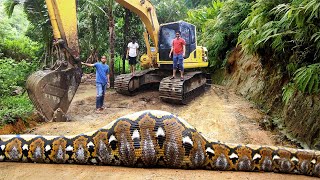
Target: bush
[(285, 33), (118, 65), (19, 48), (14, 107), (219, 26), (13, 74)]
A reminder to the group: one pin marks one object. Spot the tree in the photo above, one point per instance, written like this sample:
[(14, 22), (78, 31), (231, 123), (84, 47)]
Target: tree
[(219, 24), (170, 10), (110, 8), (197, 3), (107, 8), (125, 37)]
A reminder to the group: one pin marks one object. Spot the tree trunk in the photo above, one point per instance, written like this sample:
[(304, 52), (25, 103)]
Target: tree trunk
[(94, 32), (111, 42), (125, 38)]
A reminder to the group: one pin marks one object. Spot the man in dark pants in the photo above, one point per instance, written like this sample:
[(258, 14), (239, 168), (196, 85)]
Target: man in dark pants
[(102, 81), (178, 49), (132, 53)]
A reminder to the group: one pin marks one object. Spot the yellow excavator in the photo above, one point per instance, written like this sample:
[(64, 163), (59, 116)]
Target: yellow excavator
[(157, 57), (52, 91)]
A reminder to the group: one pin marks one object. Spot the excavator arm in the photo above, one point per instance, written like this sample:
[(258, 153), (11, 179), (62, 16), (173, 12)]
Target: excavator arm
[(63, 19), (52, 91), (147, 13)]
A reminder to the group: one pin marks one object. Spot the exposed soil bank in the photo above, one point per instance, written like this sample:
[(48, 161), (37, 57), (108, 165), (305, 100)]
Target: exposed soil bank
[(299, 120)]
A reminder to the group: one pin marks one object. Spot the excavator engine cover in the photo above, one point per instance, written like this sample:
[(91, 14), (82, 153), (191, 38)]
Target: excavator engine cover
[(52, 91)]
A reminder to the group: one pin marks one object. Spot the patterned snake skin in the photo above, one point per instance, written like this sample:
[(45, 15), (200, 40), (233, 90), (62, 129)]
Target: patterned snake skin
[(156, 139)]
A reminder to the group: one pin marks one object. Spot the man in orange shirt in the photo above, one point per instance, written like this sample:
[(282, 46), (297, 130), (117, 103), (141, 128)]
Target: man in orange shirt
[(178, 49)]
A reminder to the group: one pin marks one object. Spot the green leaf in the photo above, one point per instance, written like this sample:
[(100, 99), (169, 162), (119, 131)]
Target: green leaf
[(307, 78), (287, 92)]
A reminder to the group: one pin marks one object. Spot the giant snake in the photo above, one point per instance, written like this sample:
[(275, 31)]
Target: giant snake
[(156, 139)]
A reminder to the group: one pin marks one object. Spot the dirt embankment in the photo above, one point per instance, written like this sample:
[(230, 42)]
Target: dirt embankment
[(218, 114), (263, 83)]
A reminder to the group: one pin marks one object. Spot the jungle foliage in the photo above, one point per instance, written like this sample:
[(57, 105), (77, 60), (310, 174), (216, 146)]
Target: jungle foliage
[(286, 33), (219, 25), (18, 59)]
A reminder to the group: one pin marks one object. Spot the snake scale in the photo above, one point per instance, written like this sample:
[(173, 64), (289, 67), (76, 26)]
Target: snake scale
[(156, 139)]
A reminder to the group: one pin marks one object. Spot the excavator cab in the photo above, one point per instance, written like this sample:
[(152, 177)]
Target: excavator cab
[(168, 33), (52, 90)]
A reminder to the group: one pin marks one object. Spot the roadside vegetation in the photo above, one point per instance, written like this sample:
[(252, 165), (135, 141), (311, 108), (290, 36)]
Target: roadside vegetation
[(283, 33), (19, 57)]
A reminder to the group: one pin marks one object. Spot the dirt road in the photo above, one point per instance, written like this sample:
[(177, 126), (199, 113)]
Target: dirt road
[(218, 114)]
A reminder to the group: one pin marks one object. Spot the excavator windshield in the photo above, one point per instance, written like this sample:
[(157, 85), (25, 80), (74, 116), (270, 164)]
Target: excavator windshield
[(167, 34)]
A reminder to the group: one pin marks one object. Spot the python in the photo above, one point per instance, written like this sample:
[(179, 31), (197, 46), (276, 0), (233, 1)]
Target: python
[(156, 139)]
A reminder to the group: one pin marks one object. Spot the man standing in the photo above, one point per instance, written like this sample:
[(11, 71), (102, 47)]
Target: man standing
[(179, 49), (132, 53), (102, 81)]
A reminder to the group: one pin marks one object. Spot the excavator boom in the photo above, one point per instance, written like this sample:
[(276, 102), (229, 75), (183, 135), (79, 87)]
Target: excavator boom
[(52, 91), (147, 13)]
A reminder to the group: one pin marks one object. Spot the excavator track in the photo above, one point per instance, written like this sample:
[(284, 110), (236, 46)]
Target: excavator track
[(128, 85), (182, 92)]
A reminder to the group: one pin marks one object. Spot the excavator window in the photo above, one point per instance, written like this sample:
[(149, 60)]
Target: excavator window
[(167, 34), (185, 34)]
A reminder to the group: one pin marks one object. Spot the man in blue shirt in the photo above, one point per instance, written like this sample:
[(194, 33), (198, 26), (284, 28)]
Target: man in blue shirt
[(102, 80)]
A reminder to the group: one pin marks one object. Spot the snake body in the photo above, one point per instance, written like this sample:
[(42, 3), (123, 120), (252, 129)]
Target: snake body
[(156, 139)]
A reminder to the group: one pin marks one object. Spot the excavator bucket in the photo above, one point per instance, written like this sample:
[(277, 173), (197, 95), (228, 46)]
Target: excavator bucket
[(52, 91)]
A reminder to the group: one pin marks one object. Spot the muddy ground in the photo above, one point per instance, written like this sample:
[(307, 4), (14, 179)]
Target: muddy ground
[(217, 114)]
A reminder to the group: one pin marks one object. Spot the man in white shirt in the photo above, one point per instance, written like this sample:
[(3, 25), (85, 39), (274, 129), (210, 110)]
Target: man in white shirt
[(132, 53)]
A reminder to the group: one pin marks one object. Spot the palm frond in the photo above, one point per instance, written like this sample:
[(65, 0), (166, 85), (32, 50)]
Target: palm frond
[(9, 6)]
